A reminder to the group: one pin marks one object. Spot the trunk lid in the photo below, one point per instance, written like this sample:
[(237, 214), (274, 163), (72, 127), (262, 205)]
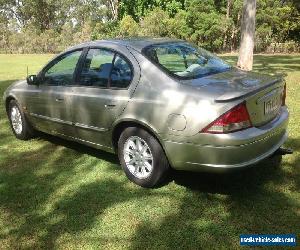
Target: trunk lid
[(262, 93)]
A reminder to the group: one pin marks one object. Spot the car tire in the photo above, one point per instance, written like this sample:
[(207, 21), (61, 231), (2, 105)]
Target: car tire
[(18, 122), (142, 157)]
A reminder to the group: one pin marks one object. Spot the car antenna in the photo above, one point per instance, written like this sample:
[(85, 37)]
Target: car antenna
[(27, 70)]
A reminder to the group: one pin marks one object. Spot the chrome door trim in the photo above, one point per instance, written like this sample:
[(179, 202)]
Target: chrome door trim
[(51, 119), (78, 125), (81, 140)]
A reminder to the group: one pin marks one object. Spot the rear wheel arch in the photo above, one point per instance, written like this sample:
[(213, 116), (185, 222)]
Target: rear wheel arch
[(121, 126)]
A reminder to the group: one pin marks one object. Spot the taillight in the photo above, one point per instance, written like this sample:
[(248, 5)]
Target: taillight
[(233, 120), (284, 95)]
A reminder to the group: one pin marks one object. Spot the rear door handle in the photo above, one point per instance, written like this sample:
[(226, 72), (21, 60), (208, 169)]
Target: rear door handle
[(59, 99)]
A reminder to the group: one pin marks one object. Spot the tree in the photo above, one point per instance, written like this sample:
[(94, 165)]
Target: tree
[(207, 24), (4, 33), (139, 8), (113, 7), (228, 13), (128, 27), (245, 61), (26, 25), (155, 23)]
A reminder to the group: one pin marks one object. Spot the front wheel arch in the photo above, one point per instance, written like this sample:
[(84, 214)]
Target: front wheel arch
[(7, 101), (27, 131)]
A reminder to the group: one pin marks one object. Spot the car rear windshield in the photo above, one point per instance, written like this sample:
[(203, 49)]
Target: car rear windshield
[(185, 61)]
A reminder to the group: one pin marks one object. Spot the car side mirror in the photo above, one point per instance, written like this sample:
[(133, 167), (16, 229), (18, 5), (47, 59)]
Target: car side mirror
[(32, 80)]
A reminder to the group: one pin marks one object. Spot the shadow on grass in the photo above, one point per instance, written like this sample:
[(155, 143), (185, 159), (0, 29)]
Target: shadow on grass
[(80, 148), (213, 208), (33, 173), (229, 183), (30, 181), (222, 206)]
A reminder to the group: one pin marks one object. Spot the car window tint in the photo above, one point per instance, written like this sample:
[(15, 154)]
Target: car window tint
[(96, 68), (61, 73), (121, 73)]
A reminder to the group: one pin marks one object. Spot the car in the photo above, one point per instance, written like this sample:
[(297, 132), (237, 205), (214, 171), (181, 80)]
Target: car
[(157, 103)]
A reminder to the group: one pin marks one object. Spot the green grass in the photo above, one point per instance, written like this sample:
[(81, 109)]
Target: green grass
[(57, 194)]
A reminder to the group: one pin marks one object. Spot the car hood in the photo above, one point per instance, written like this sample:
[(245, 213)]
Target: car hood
[(232, 85)]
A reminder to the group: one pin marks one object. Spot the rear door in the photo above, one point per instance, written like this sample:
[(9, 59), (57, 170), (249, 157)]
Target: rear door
[(104, 87)]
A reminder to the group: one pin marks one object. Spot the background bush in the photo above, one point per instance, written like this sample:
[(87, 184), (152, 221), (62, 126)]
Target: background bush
[(50, 26)]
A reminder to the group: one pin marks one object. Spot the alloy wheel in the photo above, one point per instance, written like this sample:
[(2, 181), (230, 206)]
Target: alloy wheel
[(16, 120), (138, 157)]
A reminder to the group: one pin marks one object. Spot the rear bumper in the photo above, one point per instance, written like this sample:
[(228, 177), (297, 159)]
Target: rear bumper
[(261, 143)]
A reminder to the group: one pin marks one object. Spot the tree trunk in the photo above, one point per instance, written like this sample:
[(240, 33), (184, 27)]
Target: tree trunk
[(228, 12), (114, 6), (234, 32), (245, 61)]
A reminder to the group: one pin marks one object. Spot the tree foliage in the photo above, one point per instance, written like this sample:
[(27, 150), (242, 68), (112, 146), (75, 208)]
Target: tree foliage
[(52, 25), (128, 27)]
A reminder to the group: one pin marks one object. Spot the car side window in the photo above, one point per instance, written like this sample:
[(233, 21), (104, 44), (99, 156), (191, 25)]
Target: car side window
[(96, 68), (62, 72), (121, 74)]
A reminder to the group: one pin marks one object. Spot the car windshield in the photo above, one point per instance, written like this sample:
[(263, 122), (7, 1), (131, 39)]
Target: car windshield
[(184, 61)]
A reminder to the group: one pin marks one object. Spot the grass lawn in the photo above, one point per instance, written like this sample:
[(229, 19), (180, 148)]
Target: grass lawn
[(57, 194)]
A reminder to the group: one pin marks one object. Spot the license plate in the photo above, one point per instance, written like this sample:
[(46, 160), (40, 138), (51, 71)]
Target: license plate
[(272, 106)]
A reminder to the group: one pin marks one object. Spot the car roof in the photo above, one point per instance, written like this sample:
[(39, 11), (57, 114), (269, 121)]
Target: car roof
[(135, 43)]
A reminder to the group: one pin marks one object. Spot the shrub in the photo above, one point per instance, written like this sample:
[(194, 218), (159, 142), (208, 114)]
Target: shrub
[(128, 27), (155, 23)]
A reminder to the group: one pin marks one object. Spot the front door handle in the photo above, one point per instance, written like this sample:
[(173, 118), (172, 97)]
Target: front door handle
[(110, 105)]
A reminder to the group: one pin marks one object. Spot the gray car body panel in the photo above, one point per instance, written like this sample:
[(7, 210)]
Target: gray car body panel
[(175, 111)]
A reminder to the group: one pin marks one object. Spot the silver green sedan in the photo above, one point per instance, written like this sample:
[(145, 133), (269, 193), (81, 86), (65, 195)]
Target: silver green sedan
[(157, 103)]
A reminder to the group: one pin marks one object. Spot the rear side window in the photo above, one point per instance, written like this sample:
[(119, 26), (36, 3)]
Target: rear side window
[(96, 68), (121, 74), (62, 70), (105, 68)]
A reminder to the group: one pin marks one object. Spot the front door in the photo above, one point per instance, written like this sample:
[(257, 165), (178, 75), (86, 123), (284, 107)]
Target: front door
[(49, 104)]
